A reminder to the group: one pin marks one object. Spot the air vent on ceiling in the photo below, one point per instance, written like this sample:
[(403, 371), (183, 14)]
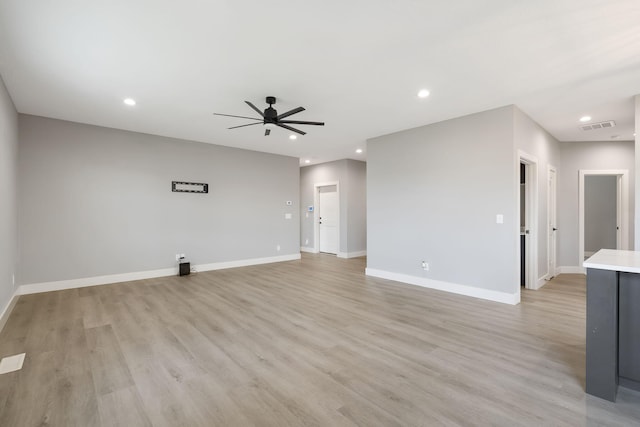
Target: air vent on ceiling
[(600, 125)]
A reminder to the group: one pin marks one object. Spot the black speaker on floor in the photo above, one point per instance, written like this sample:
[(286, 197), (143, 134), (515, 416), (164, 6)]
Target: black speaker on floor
[(185, 268)]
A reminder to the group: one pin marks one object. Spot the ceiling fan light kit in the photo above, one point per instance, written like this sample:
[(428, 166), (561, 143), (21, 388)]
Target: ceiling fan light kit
[(270, 118)]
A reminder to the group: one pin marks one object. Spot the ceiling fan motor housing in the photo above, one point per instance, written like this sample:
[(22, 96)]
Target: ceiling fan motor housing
[(270, 114)]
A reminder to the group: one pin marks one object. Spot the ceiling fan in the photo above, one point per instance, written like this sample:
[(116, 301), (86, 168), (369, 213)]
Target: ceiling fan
[(270, 118)]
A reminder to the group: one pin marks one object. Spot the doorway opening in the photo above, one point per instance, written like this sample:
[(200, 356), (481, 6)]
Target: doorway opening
[(603, 211), (327, 218), (528, 214)]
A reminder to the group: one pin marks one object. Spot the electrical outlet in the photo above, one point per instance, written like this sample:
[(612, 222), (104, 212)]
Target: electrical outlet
[(278, 248), (306, 241), (177, 257), (425, 265)]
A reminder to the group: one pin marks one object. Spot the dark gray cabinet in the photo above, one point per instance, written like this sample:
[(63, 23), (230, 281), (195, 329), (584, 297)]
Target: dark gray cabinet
[(629, 330), (613, 332)]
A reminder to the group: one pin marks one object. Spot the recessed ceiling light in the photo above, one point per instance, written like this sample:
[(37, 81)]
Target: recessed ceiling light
[(423, 93), (130, 101), (307, 161), (359, 150), (585, 119), (293, 137)]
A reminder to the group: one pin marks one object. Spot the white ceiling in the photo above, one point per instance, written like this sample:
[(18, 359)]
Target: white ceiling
[(357, 65)]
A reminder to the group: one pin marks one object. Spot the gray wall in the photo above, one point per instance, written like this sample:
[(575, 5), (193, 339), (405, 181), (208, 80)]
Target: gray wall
[(433, 194), (351, 174), (356, 206), (594, 156), (532, 139), (96, 201), (600, 213), (8, 203)]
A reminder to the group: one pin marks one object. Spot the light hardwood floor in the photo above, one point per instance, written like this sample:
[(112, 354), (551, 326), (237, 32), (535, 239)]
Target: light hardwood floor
[(310, 342)]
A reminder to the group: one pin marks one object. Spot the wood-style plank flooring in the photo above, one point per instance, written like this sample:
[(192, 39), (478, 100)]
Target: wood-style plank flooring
[(311, 342)]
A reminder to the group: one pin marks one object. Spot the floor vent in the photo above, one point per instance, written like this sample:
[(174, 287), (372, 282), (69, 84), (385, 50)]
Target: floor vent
[(600, 125)]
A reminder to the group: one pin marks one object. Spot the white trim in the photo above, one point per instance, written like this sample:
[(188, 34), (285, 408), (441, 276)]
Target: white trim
[(247, 262), (352, 254), (622, 206), (541, 282), (455, 288), (316, 213), (532, 192), (8, 309), (59, 285), (571, 269), (308, 249)]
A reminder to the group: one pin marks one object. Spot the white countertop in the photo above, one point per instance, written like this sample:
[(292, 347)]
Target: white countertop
[(616, 260)]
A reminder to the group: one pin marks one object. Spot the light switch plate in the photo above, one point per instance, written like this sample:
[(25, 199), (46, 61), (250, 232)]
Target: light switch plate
[(288, 216), (499, 219)]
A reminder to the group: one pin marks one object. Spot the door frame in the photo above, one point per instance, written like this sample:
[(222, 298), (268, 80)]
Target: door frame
[(531, 194), (622, 207), (316, 213), (552, 223)]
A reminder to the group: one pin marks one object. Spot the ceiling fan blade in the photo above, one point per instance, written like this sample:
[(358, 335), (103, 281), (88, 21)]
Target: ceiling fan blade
[(300, 122), (241, 126), (267, 132), (255, 108), (290, 113), (290, 128), (239, 117)]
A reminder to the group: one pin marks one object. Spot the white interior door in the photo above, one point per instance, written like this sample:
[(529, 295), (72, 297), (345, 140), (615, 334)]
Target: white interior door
[(329, 216), (619, 198), (552, 228)]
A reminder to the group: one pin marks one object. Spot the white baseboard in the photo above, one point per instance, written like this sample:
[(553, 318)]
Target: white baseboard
[(571, 269), (246, 262), (308, 249), (541, 282), (8, 309), (139, 275), (455, 288), (352, 254), (59, 285)]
